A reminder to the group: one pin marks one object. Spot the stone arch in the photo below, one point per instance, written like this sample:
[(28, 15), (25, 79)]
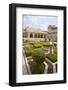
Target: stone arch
[(44, 36), (38, 35), (41, 35), (31, 35)]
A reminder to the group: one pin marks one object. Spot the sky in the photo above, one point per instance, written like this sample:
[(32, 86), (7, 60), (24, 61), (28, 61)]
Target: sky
[(38, 21)]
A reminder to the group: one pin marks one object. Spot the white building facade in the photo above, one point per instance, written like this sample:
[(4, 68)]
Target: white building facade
[(35, 34)]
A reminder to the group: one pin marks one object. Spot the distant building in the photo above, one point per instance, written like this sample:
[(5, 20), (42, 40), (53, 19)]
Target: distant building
[(35, 34), (52, 33)]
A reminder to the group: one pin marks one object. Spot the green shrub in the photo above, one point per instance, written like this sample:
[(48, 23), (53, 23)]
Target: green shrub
[(38, 56), (32, 43), (47, 44), (52, 57), (35, 68), (26, 41), (38, 69), (28, 51), (37, 45), (55, 50)]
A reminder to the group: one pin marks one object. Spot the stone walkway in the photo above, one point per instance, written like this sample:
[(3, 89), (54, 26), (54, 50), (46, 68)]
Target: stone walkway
[(50, 66), (24, 68)]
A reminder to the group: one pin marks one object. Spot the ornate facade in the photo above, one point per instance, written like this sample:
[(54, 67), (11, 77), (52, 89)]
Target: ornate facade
[(35, 34), (52, 33)]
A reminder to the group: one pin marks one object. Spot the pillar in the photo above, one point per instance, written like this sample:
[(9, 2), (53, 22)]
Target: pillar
[(43, 35), (33, 35), (28, 35)]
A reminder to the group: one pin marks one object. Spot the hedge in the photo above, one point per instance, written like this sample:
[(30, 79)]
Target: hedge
[(37, 45), (28, 51), (38, 69), (38, 56), (35, 68), (52, 57)]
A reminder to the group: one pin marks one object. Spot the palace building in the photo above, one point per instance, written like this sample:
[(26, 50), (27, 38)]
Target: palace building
[(35, 34), (52, 33)]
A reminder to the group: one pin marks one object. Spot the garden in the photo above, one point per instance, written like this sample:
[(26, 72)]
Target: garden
[(38, 51)]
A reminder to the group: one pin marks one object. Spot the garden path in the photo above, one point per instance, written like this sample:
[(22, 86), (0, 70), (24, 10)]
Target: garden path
[(24, 68), (50, 66)]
